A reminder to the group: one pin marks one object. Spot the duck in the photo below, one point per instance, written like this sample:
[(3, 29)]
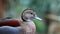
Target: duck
[(23, 25), (27, 25)]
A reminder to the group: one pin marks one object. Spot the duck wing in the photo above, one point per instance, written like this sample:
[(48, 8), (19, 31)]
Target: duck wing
[(9, 30)]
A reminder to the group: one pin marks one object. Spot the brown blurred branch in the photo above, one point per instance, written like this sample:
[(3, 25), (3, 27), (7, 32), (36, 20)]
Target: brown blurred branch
[(1, 8), (54, 17)]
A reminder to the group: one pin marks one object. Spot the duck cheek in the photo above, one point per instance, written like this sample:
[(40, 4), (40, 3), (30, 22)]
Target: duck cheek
[(31, 16), (27, 15)]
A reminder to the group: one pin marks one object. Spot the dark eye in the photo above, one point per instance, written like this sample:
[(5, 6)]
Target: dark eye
[(31, 13)]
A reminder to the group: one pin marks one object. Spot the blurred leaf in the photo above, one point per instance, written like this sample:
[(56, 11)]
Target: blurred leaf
[(40, 26)]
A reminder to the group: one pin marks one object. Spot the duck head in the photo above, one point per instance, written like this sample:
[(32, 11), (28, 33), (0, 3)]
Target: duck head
[(28, 14)]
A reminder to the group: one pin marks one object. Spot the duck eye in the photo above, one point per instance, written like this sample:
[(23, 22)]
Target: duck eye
[(31, 13)]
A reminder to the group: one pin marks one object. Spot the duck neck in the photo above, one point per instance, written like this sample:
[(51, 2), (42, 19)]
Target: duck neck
[(25, 19)]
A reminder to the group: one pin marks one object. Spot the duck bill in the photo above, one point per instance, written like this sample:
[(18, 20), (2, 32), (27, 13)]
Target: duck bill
[(37, 18)]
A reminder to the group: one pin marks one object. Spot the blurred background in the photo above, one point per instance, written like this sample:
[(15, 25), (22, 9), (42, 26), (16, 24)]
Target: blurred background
[(48, 10)]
